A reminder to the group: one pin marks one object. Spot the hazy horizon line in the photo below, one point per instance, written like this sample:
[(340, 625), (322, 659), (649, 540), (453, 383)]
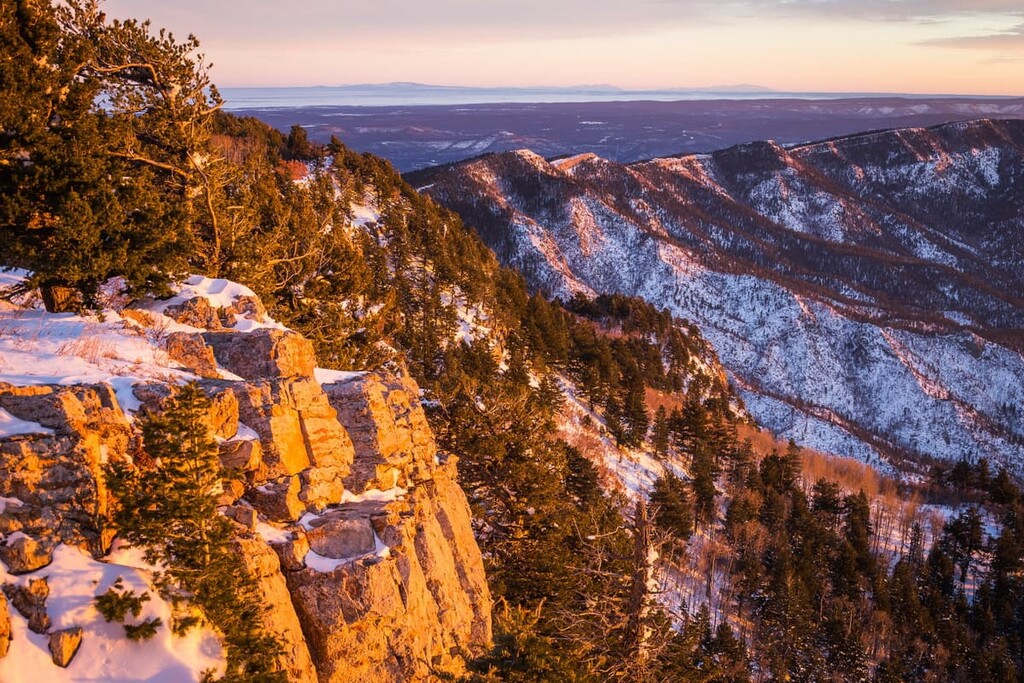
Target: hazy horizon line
[(739, 88)]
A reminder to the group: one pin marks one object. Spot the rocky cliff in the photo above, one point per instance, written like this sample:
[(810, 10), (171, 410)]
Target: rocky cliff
[(351, 520)]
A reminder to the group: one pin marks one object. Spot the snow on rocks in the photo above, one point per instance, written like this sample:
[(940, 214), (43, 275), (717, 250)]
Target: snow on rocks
[(126, 346), (234, 299), (325, 376), (12, 426)]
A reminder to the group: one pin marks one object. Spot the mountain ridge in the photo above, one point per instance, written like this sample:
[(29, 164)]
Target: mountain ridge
[(913, 233)]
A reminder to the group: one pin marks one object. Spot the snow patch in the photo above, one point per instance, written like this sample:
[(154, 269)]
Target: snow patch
[(75, 579), (12, 426)]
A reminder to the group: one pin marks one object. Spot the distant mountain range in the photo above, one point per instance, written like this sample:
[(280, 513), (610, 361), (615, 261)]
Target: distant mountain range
[(865, 292)]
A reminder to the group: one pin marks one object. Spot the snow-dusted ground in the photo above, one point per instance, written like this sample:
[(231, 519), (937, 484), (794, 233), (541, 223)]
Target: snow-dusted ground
[(118, 346), (75, 579)]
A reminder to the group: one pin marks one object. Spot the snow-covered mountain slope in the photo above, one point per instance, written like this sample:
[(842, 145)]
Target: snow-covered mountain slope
[(866, 293)]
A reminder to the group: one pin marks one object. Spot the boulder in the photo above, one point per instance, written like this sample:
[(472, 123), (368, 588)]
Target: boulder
[(322, 486), (270, 414), (248, 307), (278, 500), (196, 312), (5, 627), (263, 353), (64, 645), (232, 491), (244, 455), (341, 538), (192, 352), (30, 602), (243, 514), (292, 553), (23, 554)]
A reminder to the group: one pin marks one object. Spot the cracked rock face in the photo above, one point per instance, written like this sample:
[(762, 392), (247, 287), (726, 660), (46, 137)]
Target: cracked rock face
[(405, 616), (399, 590), (57, 476)]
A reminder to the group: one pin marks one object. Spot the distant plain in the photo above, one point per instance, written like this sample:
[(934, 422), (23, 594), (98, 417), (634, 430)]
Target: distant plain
[(447, 125)]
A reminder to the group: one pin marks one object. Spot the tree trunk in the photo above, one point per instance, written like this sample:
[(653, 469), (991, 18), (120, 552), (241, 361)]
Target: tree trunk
[(59, 299), (638, 629)]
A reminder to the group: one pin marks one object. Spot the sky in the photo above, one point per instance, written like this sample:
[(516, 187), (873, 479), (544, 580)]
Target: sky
[(901, 46)]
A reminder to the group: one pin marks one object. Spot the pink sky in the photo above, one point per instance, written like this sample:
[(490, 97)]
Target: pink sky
[(912, 46)]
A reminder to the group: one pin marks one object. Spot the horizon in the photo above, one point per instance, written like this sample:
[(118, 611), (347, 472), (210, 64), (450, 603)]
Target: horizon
[(747, 89), (408, 94)]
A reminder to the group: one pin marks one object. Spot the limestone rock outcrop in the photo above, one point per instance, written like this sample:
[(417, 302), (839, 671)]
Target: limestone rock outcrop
[(352, 523), (263, 354), (56, 475), (192, 352), (388, 428), (280, 618), (412, 614), (412, 610), (299, 430)]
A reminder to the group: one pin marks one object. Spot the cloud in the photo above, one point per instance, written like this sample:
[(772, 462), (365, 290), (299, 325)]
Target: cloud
[(884, 10), (431, 21), (1009, 40)]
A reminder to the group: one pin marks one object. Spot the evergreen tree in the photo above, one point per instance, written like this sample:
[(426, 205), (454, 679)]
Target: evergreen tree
[(704, 472), (167, 504), (661, 432), (298, 145), (673, 509), (104, 149)]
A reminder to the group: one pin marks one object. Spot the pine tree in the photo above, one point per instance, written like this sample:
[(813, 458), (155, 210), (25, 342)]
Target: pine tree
[(673, 509), (167, 504), (661, 433), (704, 472), (90, 192)]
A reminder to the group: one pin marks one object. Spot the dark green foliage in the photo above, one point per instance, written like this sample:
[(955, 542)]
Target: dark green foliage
[(661, 432), (700, 653), (298, 145), (115, 605), (90, 192), (673, 506), (521, 654), (704, 472), (117, 602), (143, 630)]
